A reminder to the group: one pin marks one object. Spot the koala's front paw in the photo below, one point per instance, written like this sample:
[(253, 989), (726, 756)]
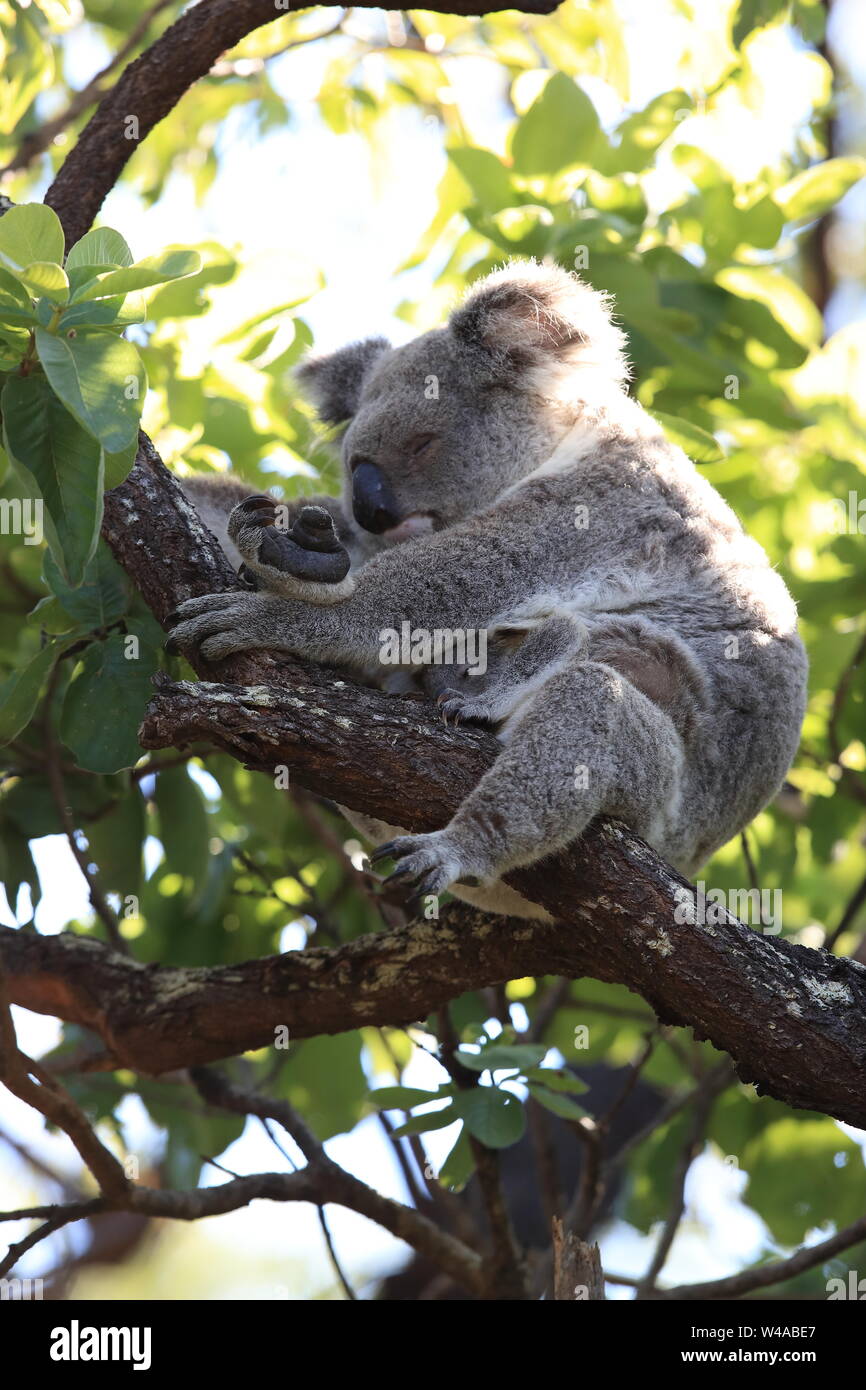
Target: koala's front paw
[(308, 561), (428, 864), (219, 624), (457, 705)]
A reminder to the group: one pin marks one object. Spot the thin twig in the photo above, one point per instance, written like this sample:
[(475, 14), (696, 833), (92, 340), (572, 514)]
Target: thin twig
[(752, 871), (323, 1181), (840, 696), (692, 1144), (507, 1273), (849, 916), (338, 1268)]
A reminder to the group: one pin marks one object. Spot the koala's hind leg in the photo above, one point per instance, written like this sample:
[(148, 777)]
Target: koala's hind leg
[(588, 743)]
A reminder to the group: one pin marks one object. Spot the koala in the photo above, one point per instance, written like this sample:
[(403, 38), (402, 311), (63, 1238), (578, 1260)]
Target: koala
[(643, 660)]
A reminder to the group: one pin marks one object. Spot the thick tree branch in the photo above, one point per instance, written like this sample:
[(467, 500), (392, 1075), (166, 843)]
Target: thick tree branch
[(157, 1019), (151, 86)]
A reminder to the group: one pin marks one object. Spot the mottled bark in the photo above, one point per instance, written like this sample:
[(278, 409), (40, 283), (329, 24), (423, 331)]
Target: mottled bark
[(577, 1271)]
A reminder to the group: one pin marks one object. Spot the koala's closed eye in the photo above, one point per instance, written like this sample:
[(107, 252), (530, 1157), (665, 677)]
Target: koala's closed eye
[(419, 445)]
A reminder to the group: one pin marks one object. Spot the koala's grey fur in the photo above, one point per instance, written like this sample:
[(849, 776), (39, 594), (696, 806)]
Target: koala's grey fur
[(643, 661)]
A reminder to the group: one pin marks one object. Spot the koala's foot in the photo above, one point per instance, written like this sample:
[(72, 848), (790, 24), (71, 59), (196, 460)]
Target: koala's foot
[(428, 864), (219, 624), (307, 562), (457, 705)]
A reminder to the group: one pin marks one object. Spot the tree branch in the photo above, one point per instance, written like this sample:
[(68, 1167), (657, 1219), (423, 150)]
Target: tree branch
[(735, 1285)]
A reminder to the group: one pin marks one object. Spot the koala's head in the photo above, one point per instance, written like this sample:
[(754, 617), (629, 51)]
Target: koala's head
[(435, 431)]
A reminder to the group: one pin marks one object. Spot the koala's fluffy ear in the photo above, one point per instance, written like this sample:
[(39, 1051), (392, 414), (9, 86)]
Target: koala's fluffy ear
[(530, 315), (333, 382)]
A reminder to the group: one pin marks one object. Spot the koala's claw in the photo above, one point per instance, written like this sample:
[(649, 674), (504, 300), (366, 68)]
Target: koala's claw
[(259, 510), (430, 863), (385, 851), (457, 705)]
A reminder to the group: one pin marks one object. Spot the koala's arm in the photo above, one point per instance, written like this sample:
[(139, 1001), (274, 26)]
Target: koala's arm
[(459, 578)]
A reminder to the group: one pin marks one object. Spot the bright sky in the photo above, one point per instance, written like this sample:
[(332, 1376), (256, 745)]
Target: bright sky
[(299, 200)]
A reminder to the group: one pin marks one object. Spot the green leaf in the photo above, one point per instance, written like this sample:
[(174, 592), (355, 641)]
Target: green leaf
[(788, 303), (100, 379), (560, 130), (20, 693), (652, 1176), (641, 133), (184, 828), (557, 1079), (503, 1057), (66, 463), (494, 1117), (18, 318), (28, 801), (799, 1170), (114, 313), (17, 868), (191, 1132), (189, 297), (119, 466), (116, 841), (460, 1163), (155, 270), (401, 1097), (815, 190), (101, 246), (48, 278), (101, 598), (30, 232), (697, 443), (433, 1119), (754, 14), (487, 177), (11, 288), (28, 65), (558, 1104), (48, 616), (104, 706), (324, 1079)]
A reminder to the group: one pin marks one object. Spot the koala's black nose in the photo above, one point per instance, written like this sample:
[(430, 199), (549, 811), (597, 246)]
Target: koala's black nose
[(373, 502)]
